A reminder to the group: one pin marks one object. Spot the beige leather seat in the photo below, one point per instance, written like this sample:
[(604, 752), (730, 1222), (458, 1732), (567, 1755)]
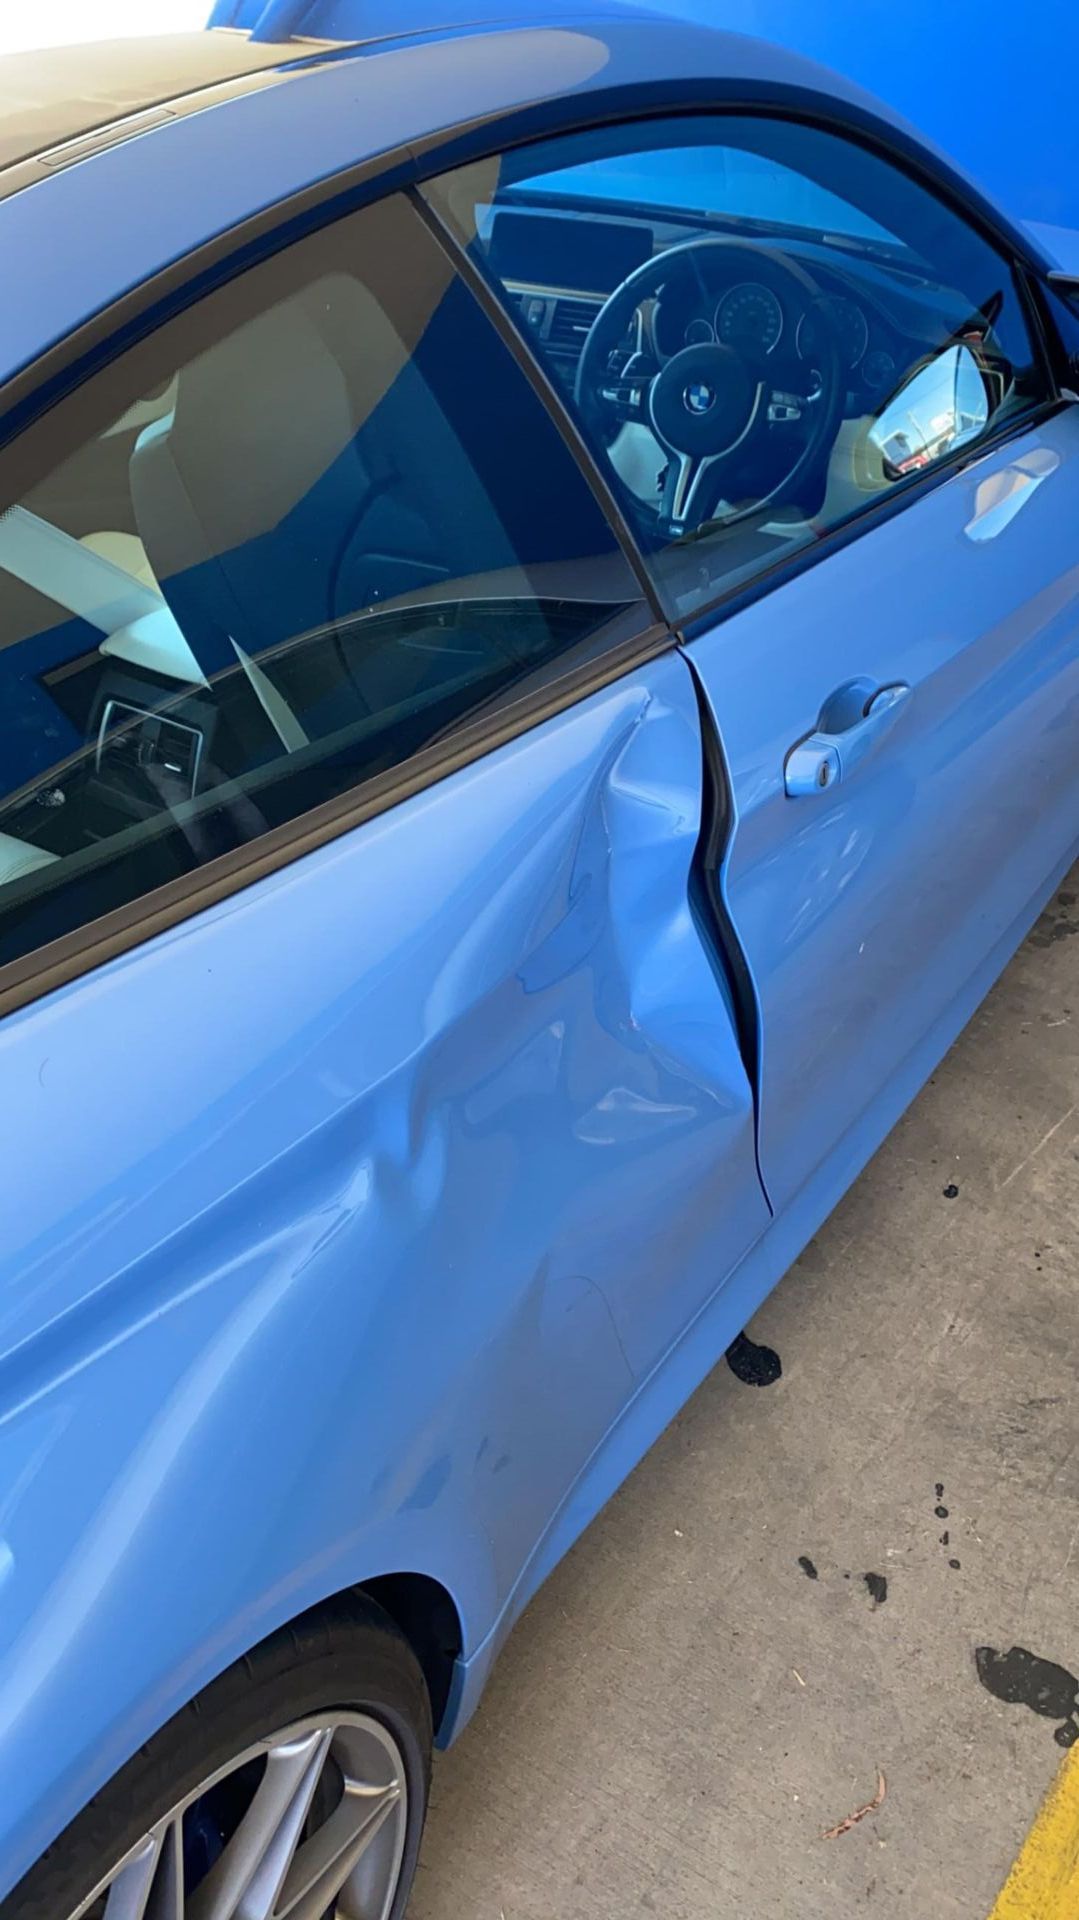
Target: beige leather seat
[(18, 858), (123, 550)]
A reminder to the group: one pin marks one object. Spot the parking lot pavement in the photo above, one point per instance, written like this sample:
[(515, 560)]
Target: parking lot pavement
[(786, 1600)]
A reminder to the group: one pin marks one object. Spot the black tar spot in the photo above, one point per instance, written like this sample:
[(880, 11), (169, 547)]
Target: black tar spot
[(755, 1366), (1024, 1679)]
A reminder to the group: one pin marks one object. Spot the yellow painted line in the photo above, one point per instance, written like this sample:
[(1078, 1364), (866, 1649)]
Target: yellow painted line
[(1044, 1882)]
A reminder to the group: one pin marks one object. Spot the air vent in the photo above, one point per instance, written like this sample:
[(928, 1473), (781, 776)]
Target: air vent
[(570, 325), (146, 751), (531, 307)]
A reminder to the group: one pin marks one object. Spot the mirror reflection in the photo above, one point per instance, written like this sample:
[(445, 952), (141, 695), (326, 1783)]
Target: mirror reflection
[(942, 405)]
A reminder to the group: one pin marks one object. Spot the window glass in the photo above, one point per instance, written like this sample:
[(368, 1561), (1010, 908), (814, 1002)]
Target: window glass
[(762, 327), (311, 527)]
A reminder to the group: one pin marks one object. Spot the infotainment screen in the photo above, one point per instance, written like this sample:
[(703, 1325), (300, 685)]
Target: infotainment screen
[(542, 250)]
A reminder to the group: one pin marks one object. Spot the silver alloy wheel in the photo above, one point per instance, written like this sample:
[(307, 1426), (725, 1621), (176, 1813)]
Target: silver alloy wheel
[(320, 1832)]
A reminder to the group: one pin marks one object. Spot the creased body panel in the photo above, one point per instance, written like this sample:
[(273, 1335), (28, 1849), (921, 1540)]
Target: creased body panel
[(341, 1222)]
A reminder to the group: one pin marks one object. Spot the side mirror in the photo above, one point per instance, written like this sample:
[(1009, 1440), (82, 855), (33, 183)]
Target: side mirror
[(939, 408)]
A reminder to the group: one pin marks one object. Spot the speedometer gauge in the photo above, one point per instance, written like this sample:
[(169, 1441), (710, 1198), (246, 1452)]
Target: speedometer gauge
[(699, 333), (879, 370), (850, 325), (749, 315)]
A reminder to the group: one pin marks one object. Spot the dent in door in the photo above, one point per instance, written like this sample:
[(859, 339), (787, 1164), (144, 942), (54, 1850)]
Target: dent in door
[(343, 1220)]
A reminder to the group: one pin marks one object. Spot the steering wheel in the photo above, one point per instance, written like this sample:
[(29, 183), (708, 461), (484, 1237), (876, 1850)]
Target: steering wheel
[(715, 408)]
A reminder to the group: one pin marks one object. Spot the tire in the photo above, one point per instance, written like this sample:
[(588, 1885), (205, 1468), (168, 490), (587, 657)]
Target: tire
[(347, 1656)]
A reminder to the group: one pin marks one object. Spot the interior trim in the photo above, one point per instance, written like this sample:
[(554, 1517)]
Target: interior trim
[(874, 512)]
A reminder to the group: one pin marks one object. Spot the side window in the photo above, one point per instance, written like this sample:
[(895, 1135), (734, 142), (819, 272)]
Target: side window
[(305, 531), (762, 327)]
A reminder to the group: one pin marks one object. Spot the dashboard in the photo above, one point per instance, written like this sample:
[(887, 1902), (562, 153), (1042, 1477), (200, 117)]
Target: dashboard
[(751, 313), (559, 266)]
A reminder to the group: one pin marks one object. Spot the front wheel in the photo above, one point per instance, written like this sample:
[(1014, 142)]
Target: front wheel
[(293, 1788)]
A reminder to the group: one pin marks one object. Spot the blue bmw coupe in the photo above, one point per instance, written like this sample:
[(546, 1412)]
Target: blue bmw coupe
[(539, 652)]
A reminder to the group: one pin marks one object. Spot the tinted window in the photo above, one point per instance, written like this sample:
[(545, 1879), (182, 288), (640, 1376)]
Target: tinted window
[(762, 327), (311, 527)]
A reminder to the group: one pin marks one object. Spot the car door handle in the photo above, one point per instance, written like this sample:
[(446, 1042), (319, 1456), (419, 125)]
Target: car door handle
[(824, 759)]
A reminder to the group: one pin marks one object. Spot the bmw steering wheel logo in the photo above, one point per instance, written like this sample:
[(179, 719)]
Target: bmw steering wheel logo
[(699, 397)]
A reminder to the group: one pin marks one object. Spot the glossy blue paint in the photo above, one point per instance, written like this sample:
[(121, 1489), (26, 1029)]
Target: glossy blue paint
[(364, 20), (1008, 117), (379, 1218), (864, 913), (241, 157), (343, 1262), (818, 762), (693, 1356), (929, 63)]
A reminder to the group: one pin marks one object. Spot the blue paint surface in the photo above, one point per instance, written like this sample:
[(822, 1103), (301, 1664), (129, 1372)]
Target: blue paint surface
[(864, 911), (343, 1261), (242, 157), (994, 87), (379, 1217)]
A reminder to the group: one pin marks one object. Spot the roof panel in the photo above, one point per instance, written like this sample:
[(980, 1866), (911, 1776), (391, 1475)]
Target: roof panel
[(386, 19), (58, 93), (995, 87), (70, 256)]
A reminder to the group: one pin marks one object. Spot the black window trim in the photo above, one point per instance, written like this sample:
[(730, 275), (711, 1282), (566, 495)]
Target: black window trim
[(105, 335)]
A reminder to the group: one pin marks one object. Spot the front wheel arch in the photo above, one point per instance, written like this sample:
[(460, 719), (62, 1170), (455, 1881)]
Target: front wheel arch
[(427, 1615), (345, 1655)]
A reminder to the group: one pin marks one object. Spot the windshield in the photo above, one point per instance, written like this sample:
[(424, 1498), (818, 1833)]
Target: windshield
[(709, 180)]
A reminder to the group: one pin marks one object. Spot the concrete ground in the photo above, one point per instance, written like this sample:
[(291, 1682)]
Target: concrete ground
[(684, 1709)]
